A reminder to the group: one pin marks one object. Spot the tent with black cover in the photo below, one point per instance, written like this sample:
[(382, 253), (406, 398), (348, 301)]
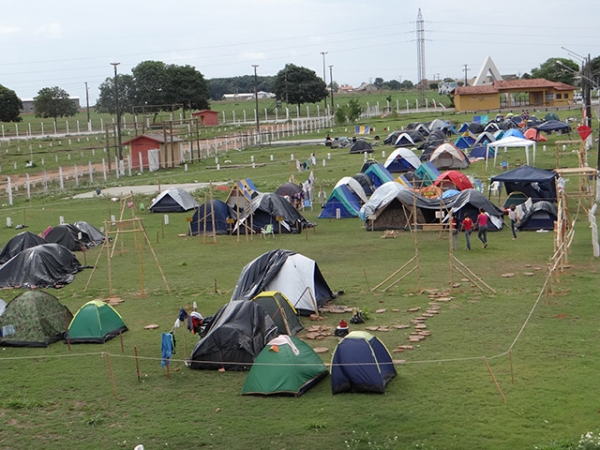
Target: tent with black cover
[(96, 237), (69, 236), (214, 216), (42, 266), (238, 332), (19, 242), (296, 276)]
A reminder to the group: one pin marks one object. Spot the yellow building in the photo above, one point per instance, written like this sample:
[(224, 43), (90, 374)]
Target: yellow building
[(513, 94)]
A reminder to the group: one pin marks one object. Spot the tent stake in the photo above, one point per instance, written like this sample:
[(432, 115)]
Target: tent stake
[(494, 378), (137, 363), (121, 339), (112, 377)]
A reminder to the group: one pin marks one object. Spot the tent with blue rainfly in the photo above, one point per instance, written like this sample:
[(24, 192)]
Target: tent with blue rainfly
[(341, 199), (214, 216), (361, 363), (95, 323), (378, 174), (402, 160), (514, 132), (409, 138), (286, 366), (355, 187), (428, 173)]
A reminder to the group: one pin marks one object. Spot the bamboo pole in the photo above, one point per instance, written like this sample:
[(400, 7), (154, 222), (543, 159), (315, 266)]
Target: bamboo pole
[(512, 374), (137, 363), (494, 378), (112, 377), (212, 213)]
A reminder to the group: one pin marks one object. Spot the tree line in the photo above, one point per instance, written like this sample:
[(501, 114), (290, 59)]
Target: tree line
[(154, 86)]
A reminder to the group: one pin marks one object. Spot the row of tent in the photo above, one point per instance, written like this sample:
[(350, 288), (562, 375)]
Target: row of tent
[(36, 318)]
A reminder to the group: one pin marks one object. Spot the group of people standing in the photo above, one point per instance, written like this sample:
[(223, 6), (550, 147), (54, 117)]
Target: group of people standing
[(482, 221)]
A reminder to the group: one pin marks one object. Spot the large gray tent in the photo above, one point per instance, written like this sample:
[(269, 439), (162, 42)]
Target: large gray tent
[(174, 200)]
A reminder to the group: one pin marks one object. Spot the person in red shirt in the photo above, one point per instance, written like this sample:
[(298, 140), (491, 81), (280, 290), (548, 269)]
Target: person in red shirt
[(467, 226), (482, 222)]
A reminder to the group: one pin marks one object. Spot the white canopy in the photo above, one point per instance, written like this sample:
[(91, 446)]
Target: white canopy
[(511, 142)]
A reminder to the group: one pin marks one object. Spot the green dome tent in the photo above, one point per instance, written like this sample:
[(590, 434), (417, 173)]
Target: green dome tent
[(281, 311), (95, 323), (33, 319), (286, 366)]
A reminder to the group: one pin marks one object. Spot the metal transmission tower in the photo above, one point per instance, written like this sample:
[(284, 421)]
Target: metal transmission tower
[(421, 58)]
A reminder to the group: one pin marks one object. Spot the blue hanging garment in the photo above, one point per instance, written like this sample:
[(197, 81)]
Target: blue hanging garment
[(167, 348)]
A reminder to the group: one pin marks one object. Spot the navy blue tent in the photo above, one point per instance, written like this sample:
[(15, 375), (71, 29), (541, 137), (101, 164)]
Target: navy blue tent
[(361, 363), (212, 212), (538, 184), (479, 152), (342, 199), (378, 174), (541, 216), (554, 125)]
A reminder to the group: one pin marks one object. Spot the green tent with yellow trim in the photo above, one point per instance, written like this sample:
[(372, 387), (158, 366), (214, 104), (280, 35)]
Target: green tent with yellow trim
[(95, 323)]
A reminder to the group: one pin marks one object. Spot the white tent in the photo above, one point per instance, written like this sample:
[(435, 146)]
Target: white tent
[(511, 142), (447, 156), (174, 200), (354, 186)]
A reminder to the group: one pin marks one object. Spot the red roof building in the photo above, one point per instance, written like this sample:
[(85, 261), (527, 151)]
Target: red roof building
[(207, 117), (151, 151)]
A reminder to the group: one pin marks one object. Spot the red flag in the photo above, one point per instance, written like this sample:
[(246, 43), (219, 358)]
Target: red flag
[(584, 131)]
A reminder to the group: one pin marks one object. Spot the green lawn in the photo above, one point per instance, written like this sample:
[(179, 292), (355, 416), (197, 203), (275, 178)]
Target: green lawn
[(444, 396)]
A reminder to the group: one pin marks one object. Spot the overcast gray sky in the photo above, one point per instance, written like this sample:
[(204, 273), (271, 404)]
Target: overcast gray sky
[(67, 43)]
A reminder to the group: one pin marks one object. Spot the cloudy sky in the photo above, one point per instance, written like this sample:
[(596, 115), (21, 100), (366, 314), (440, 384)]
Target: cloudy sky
[(67, 43)]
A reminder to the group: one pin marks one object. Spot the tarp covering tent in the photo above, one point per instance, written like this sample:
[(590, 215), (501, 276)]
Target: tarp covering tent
[(402, 160), (296, 276), (341, 199), (361, 363), (2, 306), (19, 242), (95, 236), (447, 156), (95, 323), (512, 142), (241, 194), (212, 217), (540, 216), (378, 174), (281, 311), (286, 366), (263, 211), (361, 146), (469, 202), (239, 331), (538, 184), (173, 200), (33, 319), (69, 236), (453, 179), (42, 266)]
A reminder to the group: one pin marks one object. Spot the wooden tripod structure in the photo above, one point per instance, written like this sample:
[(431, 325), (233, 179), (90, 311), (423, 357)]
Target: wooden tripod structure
[(115, 228)]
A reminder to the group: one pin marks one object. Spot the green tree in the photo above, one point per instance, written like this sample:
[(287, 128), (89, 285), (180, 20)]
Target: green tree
[(354, 110), (106, 100), (299, 85), (378, 82), (150, 81), (595, 63), (407, 84), (10, 105), (394, 85), (557, 69), (186, 86), (54, 102)]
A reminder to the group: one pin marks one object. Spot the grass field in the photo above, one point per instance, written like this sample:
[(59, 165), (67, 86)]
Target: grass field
[(444, 396)]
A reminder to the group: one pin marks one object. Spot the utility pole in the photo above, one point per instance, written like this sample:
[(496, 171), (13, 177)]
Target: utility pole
[(256, 98), (119, 143), (87, 104), (466, 77), (324, 79), (331, 88)]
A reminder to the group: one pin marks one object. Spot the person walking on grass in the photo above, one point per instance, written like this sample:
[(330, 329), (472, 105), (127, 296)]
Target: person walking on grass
[(482, 223), (514, 218), (467, 226)]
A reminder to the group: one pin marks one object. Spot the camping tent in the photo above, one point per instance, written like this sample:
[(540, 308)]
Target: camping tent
[(174, 200), (361, 363), (19, 242), (341, 199), (453, 179), (511, 142), (281, 311), (402, 160), (434, 140), (533, 135), (264, 210), (94, 235), (2, 306), (378, 174), (42, 266), (365, 182), (241, 194), (290, 190), (291, 273), (33, 319), (540, 216), (538, 184), (354, 186), (361, 146), (212, 216), (95, 323), (447, 156), (286, 366), (409, 138), (69, 236), (239, 331), (427, 172)]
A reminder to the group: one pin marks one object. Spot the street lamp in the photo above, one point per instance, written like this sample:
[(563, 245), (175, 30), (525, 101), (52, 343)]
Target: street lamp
[(256, 98), (331, 87), (119, 144)]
